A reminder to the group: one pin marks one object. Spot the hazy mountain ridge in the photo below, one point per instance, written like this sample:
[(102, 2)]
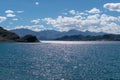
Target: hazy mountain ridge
[(52, 34), (106, 37)]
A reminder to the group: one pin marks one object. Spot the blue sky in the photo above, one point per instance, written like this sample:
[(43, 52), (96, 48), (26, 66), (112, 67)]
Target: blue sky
[(62, 15)]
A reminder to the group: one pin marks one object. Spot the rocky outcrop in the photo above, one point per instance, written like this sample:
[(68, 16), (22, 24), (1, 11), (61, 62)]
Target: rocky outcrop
[(29, 38), (7, 36)]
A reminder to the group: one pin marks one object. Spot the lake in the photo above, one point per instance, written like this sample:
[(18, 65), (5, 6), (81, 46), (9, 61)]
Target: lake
[(60, 60)]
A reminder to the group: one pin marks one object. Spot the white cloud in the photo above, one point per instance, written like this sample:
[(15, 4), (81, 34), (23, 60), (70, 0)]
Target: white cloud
[(36, 21), (107, 18), (94, 11), (19, 11), (36, 3), (73, 12), (9, 11), (10, 15), (33, 27), (2, 19), (112, 6), (92, 22), (65, 23)]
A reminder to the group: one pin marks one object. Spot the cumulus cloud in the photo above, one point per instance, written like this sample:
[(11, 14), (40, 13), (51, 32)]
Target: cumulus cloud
[(112, 6), (10, 15), (2, 19), (36, 21), (72, 12), (32, 27), (77, 13), (92, 22), (9, 11), (94, 11)]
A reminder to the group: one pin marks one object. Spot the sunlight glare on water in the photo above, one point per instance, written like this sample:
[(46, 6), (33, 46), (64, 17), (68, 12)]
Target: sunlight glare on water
[(78, 42), (60, 60)]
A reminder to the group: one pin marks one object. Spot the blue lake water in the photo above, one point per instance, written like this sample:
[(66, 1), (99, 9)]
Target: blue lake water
[(51, 60)]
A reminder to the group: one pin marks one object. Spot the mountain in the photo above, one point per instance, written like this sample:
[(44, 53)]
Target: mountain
[(48, 34), (42, 35), (106, 37), (8, 36), (23, 32), (86, 33), (52, 34)]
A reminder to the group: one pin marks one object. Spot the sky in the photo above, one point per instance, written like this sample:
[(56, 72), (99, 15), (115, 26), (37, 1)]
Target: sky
[(61, 15)]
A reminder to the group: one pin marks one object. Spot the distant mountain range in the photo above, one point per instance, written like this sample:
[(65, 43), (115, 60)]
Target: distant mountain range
[(52, 34), (105, 37)]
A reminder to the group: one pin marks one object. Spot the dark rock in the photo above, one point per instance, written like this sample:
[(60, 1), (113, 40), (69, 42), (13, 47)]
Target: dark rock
[(7, 36), (29, 38)]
